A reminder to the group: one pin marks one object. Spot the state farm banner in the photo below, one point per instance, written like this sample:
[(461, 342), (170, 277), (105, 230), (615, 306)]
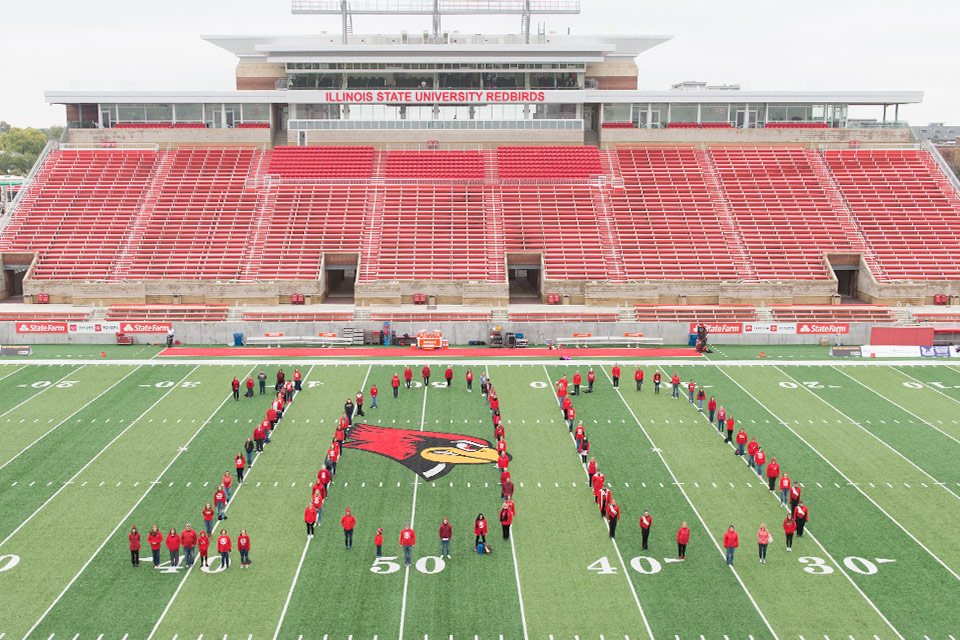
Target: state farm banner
[(93, 327), (41, 327), (783, 328), (823, 327), (718, 327), (145, 327)]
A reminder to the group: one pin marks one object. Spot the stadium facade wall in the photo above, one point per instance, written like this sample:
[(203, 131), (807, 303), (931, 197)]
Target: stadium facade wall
[(791, 137), (173, 137), (478, 137)]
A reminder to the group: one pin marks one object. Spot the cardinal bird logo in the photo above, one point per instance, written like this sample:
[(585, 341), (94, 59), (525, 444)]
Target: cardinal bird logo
[(429, 454)]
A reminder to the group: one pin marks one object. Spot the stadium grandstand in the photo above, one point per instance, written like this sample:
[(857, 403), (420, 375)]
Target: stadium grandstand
[(479, 169)]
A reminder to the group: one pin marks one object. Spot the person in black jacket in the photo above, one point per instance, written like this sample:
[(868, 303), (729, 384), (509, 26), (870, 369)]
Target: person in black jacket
[(348, 409)]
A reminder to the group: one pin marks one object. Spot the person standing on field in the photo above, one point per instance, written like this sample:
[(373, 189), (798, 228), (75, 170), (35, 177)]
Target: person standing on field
[(721, 419), (591, 378), (248, 448), (483, 384), (506, 519), (262, 379), (591, 471), (480, 530), (359, 398), (395, 383), (784, 489), (378, 542), (408, 376), (584, 449), (683, 537), (502, 463), (730, 542), (296, 379), (469, 381), (348, 409), (763, 539), (691, 390), (448, 376), (208, 518), (789, 526), (348, 522), (506, 488), (645, 522), (408, 539), (794, 496), (235, 387), (615, 372), (752, 452), (227, 481), (249, 393), (224, 545), (289, 389), (638, 378), (373, 396), (425, 372), (243, 545), (317, 501), (577, 379), (203, 546), (188, 540), (675, 384), (220, 502), (773, 472), (446, 532), (240, 462), (613, 517), (801, 515), (730, 424), (259, 433), (711, 408), (571, 416), (761, 459), (742, 440), (701, 396), (281, 379), (310, 518), (173, 546), (134, 538)]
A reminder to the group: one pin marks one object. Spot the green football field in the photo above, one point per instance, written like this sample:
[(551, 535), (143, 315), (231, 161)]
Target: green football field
[(91, 447)]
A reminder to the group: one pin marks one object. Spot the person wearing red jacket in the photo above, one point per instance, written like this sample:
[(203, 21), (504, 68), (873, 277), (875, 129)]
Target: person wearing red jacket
[(203, 547), (683, 537), (316, 499), (730, 424), (711, 408), (208, 518), (784, 489), (565, 404), (272, 418), (760, 459), (469, 381), (480, 530), (310, 518), (638, 378), (408, 376), (243, 544), (359, 399), (281, 378), (597, 482), (691, 390), (494, 403), (324, 477), (296, 379), (591, 471), (675, 383), (752, 452), (576, 383), (504, 476), (334, 454), (773, 472), (448, 376), (173, 546), (446, 532), (373, 396), (408, 540), (288, 392), (395, 383), (571, 416), (794, 496), (730, 542), (378, 542), (506, 519), (506, 489), (498, 431), (741, 441), (503, 461), (606, 495), (134, 538), (561, 388), (348, 522), (259, 434), (501, 446), (220, 502), (425, 372), (645, 522), (224, 545), (591, 378), (701, 396), (240, 463), (789, 526), (615, 372), (656, 382), (188, 540), (613, 517), (227, 482), (721, 419), (801, 515), (579, 434), (235, 387), (249, 387)]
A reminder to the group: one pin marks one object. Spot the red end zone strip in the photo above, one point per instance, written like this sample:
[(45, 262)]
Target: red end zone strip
[(400, 352)]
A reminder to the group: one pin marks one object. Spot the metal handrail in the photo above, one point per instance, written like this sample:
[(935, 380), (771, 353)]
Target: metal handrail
[(47, 148), (930, 148)]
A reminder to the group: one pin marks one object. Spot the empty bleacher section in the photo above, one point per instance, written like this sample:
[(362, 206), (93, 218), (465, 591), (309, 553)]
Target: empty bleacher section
[(547, 163), (433, 165), (163, 313), (833, 313), (905, 207), (202, 218), (783, 214), (77, 213), (665, 220), (322, 163), (732, 313)]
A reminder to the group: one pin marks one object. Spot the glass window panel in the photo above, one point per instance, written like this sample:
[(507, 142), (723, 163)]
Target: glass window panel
[(683, 113), (256, 113), (189, 112), (159, 112), (131, 113), (616, 113), (714, 113)]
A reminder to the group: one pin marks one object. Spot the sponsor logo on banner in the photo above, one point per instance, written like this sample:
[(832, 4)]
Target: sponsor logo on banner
[(41, 327), (582, 335), (93, 327), (823, 327), (15, 350), (845, 352), (718, 327), (890, 351), (935, 352), (786, 328), (633, 335), (145, 327)]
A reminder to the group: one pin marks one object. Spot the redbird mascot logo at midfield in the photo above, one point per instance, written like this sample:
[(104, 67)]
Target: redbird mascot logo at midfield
[(429, 454)]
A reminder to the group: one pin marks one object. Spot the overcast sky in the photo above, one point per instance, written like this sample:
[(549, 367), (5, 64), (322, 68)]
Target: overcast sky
[(845, 44)]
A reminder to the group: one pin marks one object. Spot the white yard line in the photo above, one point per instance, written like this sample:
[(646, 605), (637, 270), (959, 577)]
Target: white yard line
[(20, 368), (94, 458), (413, 513), (659, 453), (948, 397), (303, 556), (51, 385), (124, 519), (836, 564), (623, 565), (842, 475), (186, 575), (873, 435), (62, 422)]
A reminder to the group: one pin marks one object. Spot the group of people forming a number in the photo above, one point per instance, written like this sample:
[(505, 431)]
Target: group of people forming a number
[(797, 513)]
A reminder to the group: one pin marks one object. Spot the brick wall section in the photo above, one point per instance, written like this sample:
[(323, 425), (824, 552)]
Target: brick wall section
[(256, 84), (73, 112), (616, 83)]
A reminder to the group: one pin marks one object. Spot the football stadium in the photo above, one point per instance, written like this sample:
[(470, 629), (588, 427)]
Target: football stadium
[(294, 360)]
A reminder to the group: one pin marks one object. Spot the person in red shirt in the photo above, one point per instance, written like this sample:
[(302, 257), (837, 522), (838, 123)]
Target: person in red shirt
[(469, 380), (801, 515), (721, 419), (235, 387), (281, 378), (645, 522), (333, 455), (316, 499), (220, 502), (502, 463), (794, 496), (741, 441), (711, 408), (259, 434), (701, 396), (789, 527), (576, 384), (615, 372), (578, 435), (504, 476), (501, 446), (494, 403), (243, 545), (571, 416), (173, 546), (155, 540), (408, 376), (395, 383), (240, 462), (561, 388), (598, 479), (224, 545), (378, 542), (498, 431), (784, 489), (752, 452), (288, 392), (606, 495), (446, 532), (730, 542), (675, 383), (359, 399), (656, 382), (691, 389), (584, 450), (271, 418), (730, 424), (591, 470), (341, 430), (480, 530), (773, 472), (591, 378), (408, 539), (348, 522), (613, 517), (761, 459), (249, 387), (324, 477), (448, 376), (203, 546), (638, 378), (506, 489), (188, 540), (296, 379), (506, 519), (227, 482), (310, 518), (683, 537), (373, 396), (208, 518), (134, 538), (425, 372)]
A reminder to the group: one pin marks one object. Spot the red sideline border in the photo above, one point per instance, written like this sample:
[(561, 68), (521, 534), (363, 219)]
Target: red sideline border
[(406, 352)]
